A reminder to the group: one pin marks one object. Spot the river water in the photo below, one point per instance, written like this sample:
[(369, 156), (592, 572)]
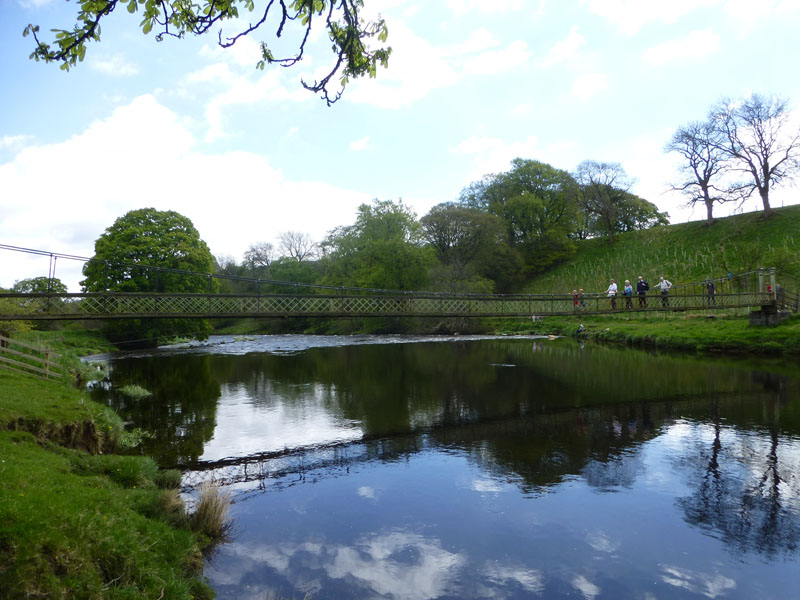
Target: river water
[(421, 468)]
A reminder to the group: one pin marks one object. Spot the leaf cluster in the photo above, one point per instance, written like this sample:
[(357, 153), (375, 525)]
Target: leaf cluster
[(348, 33)]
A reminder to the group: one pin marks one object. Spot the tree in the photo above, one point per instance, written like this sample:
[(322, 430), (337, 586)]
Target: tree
[(705, 161), (258, 258), (757, 135), (382, 249), (609, 208), (459, 233), (147, 250), (538, 204), (347, 31), (296, 245), (468, 243), (40, 285)]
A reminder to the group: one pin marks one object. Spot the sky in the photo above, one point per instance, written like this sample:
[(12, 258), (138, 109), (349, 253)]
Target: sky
[(248, 154)]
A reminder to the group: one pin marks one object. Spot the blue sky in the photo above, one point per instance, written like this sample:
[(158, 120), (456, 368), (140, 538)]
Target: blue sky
[(248, 154)]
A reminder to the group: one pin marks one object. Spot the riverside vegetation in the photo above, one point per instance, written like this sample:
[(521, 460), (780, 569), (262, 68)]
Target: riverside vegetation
[(79, 519)]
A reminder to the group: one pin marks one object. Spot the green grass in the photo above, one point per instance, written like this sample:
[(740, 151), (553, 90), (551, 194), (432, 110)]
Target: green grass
[(89, 527), (57, 412), (134, 391), (720, 332), (75, 523), (682, 253)]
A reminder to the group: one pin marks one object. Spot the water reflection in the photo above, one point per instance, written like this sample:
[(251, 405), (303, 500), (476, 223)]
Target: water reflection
[(485, 469)]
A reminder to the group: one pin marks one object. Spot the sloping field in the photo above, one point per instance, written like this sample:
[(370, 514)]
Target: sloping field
[(682, 253)]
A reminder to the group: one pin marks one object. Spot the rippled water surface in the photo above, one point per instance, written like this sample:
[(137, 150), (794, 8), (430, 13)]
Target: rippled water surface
[(420, 468)]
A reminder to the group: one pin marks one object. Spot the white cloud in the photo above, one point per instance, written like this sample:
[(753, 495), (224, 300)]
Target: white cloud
[(564, 50), (709, 585), (367, 492), (493, 155), (144, 155), (530, 579), (486, 485), (585, 587), (599, 541), (372, 563), (406, 82), (590, 84), (361, 144), (477, 41), (461, 7), (522, 110), (12, 142), (239, 89), (696, 45), (34, 3), (115, 65), (631, 15), (491, 62), (246, 52)]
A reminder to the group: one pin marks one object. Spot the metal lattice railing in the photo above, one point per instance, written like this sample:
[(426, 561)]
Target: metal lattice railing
[(152, 305)]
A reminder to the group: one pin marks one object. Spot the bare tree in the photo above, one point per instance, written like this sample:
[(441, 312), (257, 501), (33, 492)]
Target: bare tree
[(603, 188), (756, 132), (297, 245), (705, 161), (259, 256)]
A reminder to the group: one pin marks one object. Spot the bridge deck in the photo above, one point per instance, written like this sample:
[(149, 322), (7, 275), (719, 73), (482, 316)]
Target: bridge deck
[(150, 305)]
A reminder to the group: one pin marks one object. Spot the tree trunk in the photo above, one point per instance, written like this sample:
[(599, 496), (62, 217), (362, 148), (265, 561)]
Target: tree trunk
[(764, 193)]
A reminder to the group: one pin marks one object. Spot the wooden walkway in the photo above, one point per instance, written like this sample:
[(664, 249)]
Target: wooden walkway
[(34, 307)]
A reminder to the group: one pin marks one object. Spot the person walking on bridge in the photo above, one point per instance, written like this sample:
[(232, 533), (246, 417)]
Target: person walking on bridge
[(641, 290), (664, 286), (627, 291), (711, 289), (611, 292)]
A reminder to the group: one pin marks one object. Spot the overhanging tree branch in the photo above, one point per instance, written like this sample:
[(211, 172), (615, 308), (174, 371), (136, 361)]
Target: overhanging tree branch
[(348, 32)]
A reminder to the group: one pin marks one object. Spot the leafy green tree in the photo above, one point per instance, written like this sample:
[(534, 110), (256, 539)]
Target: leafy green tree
[(291, 270), (382, 249), (538, 204), (40, 285), (472, 248), (637, 213), (12, 306), (147, 250), (347, 31)]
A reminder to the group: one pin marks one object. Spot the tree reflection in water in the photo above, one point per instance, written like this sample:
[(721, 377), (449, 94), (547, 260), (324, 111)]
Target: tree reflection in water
[(545, 420), (747, 489)]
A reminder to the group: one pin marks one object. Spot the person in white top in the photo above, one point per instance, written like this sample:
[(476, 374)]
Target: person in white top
[(664, 286), (611, 292)]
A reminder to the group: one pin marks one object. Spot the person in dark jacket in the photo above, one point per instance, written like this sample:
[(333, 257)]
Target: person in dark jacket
[(641, 290)]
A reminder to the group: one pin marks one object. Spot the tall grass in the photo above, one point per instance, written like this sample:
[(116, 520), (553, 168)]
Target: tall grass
[(210, 516)]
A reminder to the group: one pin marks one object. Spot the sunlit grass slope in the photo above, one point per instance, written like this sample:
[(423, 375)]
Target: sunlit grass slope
[(682, 253)]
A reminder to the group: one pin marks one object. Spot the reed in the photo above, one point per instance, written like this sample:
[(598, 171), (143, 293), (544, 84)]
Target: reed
[(210, 516)]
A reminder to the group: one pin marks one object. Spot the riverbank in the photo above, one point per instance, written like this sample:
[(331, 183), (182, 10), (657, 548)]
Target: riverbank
[(714, 333), (77, 519), (727, 332)]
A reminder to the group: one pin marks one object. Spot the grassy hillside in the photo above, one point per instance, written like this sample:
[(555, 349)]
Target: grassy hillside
[(681, 253)]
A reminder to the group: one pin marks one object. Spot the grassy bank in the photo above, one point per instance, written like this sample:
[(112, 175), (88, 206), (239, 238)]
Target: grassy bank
[(76, 519), (720, 332), (682, 253)]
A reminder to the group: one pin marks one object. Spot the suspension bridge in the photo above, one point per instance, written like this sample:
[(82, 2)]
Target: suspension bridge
[(744, 290)]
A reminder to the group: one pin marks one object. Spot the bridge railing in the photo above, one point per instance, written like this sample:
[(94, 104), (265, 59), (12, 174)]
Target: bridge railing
[(151, 305)]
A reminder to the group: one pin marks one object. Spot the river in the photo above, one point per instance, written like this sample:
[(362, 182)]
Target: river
[(422, 468)]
